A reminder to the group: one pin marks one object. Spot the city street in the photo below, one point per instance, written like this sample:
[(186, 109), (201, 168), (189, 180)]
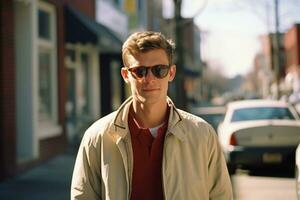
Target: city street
[(51, 180), (264, 186), (48, 181)]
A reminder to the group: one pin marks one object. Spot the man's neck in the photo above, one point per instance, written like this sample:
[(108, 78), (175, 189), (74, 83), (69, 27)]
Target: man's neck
[(149, 116)]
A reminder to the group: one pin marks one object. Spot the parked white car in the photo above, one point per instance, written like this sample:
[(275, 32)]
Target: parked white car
[(257, 133)]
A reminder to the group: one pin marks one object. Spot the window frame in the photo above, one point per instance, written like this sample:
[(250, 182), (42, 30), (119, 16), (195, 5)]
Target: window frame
[(48, 127)]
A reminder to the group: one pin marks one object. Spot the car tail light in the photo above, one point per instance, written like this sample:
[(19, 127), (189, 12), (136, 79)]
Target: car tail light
[(233, 140)]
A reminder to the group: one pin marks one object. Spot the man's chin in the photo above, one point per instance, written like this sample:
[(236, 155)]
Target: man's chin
[(148, 99)]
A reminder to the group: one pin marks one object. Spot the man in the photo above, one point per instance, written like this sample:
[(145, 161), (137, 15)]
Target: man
[(149, 149)]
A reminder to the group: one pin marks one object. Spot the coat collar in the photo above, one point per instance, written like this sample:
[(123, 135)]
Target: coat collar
[(120, 128)]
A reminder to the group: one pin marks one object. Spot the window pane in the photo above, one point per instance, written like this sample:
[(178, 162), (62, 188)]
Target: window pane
[(44, 24), (261, 113), (71, 54), (45, 84), (83, 93)]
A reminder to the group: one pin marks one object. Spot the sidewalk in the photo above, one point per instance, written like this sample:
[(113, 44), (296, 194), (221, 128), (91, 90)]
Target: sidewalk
[(50, 180)]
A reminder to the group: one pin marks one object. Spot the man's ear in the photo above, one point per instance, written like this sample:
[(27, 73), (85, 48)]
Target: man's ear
[(124, 73), (172, 72)]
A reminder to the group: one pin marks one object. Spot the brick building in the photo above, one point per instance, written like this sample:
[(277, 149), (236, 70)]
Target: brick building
[(53, 57), (292, 67)]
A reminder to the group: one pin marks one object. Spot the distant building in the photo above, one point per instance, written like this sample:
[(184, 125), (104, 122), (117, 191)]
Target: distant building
[(292, 67), (265, 68)]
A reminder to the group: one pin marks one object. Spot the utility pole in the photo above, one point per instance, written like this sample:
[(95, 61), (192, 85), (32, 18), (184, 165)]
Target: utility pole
[(181, 99), (276, 49)]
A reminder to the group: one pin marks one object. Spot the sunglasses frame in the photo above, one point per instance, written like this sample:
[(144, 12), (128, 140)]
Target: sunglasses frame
[(151, 68)]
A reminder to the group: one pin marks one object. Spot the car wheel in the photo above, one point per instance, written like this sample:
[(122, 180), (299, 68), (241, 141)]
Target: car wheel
[(297, 182)]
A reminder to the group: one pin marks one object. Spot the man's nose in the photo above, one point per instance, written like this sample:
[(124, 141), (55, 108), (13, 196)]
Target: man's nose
[(149, 76)]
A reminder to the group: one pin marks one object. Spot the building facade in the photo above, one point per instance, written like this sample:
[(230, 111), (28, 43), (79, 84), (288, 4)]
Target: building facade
[(292, 67), (60, 70), (53, 58), (266, 69)]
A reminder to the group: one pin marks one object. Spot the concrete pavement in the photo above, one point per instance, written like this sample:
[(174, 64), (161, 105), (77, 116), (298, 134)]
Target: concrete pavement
[(50, 180)]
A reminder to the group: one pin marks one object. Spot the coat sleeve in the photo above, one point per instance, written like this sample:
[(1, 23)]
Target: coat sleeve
[(219, 181), (86, 179)]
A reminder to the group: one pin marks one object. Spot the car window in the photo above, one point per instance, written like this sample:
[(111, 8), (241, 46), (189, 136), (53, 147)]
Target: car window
[(261, 113)]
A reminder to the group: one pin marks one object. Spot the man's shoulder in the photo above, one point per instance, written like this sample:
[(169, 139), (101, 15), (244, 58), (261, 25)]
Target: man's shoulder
[(191, 118), (195, 124), (100, 126), (104, 121)]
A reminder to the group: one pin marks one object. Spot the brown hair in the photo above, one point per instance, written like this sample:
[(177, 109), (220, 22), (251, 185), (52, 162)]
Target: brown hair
[(145, 41)]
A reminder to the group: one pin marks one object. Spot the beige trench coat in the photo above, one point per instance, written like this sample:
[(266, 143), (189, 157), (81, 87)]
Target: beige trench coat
[(193, 165)]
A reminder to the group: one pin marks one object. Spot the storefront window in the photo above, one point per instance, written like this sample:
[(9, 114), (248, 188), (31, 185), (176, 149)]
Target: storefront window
[(47, 65), (70, 53), (45, 86), (44, 24), (83, 101)]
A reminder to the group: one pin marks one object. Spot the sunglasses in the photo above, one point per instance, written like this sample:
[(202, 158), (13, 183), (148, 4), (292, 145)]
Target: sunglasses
[(159, 71)]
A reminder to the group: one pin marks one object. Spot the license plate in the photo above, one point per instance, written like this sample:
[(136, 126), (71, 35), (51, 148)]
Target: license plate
[(272, 158)]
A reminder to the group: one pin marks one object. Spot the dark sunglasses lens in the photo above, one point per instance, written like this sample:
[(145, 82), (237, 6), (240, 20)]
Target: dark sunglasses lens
[(139, 72), (160, 71)]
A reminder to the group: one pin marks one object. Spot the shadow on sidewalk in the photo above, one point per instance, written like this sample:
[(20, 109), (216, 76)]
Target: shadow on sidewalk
[(50, 180)]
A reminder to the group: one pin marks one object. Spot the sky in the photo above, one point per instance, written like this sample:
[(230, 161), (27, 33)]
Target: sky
[(230, 29)]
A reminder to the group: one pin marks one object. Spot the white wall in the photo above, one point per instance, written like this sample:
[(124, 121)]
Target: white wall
[(27, 143)]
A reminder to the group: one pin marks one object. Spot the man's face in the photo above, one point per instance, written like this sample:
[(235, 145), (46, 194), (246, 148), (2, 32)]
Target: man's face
[(149, 89)]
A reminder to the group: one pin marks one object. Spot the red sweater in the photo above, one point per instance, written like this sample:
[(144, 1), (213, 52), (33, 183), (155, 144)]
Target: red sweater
[(147, 162)]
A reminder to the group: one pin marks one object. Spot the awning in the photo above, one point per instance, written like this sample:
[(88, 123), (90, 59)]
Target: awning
[(83, 29)]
